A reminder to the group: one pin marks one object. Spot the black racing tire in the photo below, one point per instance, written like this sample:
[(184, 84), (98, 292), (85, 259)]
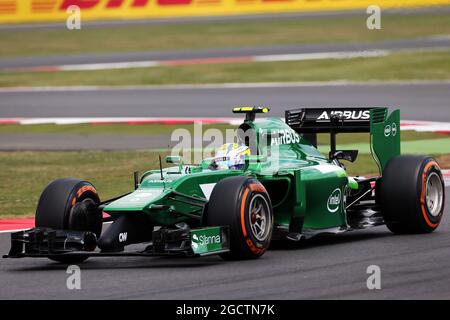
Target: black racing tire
[(412, 194), (69, 204), (230, 205)]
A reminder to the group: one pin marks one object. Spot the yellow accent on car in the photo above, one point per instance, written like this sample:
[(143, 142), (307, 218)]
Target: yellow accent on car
[(251, 109)]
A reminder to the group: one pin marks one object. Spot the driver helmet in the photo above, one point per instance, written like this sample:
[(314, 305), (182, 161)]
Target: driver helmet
[(231, 156)]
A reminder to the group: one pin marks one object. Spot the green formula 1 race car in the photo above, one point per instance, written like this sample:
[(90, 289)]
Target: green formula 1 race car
[(272, 183)]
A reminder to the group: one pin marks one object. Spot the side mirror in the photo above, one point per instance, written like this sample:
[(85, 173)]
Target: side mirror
[(254, 159), (173, 159), (348, 155)]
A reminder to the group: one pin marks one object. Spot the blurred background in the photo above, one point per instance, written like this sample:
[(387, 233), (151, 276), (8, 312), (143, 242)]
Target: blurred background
[(95, 88)]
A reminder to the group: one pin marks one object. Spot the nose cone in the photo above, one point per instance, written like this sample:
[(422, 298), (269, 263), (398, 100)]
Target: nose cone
[(135, 201)]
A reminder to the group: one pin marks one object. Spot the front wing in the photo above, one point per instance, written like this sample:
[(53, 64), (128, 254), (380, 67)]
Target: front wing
[(46, 242)]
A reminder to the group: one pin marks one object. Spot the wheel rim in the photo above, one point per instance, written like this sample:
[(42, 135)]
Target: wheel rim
[(259, 217), (434, 194)]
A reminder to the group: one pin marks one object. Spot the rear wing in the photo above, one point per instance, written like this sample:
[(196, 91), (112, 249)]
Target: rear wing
[(384, 130), (321, 120)]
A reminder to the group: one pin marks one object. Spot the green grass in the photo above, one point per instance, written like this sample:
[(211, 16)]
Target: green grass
[(25, 174), (218, 34), (364, 165), (399, 66)]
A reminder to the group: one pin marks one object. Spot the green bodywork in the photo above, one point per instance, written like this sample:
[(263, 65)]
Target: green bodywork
[(385, 136), (301, 181)]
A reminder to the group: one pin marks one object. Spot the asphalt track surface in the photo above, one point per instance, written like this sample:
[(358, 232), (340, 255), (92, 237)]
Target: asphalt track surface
[(417, 101), (334, 267), (420, 101), (28, 62)]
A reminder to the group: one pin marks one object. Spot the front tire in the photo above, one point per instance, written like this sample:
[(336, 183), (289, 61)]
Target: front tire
[(69, 204), (412, 194), (243, 204)]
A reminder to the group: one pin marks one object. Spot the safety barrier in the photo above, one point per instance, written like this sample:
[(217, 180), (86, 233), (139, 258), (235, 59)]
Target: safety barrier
[(56, 10)]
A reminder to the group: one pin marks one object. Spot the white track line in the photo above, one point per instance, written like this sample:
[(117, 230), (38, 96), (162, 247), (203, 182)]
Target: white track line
[(220, 60), (426, 126), (372, 53), (321, 56), (109, 66), (129, 120), (217, 60), (236, 85), (446, 173), (420, 126), (15, 230)]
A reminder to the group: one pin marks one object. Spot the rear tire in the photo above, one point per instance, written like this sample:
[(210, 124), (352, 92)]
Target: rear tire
[(412, 194), (243, 204), (69, 204)]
